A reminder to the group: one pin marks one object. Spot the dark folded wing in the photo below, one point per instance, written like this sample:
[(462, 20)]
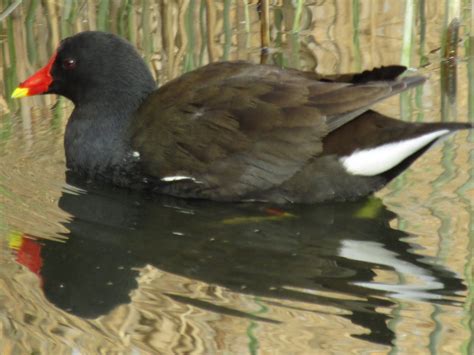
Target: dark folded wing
[(234, 128)]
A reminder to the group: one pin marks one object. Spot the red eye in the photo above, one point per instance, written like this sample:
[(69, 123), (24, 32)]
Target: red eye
[(69, 63)]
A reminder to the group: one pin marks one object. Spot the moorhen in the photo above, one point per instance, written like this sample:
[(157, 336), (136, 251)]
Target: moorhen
[(229, 131)]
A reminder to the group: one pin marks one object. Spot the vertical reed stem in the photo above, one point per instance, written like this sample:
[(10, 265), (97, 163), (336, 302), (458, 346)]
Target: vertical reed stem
[(264, 30)]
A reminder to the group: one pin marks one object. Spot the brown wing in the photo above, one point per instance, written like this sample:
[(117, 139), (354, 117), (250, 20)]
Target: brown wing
[(237, 127)]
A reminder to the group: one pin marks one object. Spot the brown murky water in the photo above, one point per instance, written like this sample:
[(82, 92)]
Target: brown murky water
[(100, 270)]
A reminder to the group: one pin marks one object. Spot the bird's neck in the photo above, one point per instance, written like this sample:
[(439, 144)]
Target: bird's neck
[(96, 141)]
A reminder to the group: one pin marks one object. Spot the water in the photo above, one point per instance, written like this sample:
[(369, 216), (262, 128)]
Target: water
[(89, 269)]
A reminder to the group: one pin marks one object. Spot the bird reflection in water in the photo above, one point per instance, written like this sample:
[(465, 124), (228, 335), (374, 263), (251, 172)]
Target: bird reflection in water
[(301, 254)]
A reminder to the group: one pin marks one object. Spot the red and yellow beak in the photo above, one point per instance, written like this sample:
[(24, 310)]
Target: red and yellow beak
[(36, 84)]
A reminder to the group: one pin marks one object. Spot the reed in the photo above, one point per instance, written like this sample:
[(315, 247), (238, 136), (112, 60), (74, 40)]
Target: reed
[(227, 29), (264, 30)]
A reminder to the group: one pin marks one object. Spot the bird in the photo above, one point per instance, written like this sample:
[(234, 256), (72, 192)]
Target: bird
[(232, 130)]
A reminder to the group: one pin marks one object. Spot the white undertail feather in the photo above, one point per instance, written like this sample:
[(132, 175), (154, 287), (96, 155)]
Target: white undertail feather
[(374, 161)]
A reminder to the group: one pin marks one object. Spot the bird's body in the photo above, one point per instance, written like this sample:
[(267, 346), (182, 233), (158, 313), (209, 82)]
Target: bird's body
[(232, 131)]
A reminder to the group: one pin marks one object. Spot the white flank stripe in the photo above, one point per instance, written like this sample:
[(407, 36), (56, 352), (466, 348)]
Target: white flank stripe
[(178, 178), (376, 160)]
